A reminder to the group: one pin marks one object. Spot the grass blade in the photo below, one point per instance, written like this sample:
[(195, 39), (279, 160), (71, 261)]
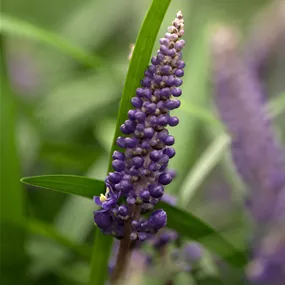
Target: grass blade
[(140, 59), (13, 256), (68, 184), (16, 27)]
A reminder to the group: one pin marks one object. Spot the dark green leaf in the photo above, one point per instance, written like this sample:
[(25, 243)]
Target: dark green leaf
[(69, 184), (12, 195), (181, 221)]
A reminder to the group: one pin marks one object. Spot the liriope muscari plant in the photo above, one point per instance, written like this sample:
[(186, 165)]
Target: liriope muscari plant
[(257, 156), (140, 169)]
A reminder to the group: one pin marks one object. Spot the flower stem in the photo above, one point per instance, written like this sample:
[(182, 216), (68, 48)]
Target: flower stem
[(123, 255)]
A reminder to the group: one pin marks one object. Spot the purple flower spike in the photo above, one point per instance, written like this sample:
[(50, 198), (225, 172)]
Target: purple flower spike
[(141, 171), (255, 150), (257, 156)]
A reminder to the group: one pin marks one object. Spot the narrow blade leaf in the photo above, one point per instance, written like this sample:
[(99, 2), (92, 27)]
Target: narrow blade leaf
[(68, 184), (140, 59), (13, 256), (180, 220)]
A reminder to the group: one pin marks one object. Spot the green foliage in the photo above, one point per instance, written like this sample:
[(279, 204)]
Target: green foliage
[(179, 220), (13, 256), (68, 184)]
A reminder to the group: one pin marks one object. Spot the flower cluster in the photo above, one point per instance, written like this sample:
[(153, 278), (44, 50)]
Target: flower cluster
[(140, 172), (257, 156), (255, 151)]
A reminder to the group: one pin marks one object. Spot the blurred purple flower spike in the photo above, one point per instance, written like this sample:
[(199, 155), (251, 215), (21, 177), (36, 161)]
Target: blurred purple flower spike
[(257, 156), (255, 151), (193, 252)]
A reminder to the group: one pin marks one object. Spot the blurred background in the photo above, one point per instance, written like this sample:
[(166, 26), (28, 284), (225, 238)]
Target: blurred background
[(64, 66)]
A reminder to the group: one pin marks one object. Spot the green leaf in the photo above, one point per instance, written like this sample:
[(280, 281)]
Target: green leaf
[(180, 220), (206, 162), (140, 60), (13, 256), (68, 184), (16, 27)]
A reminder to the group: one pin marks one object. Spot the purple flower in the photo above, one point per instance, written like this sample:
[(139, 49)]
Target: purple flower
[(164, 238), (140, 172), (255, 151), (108, 200), (192, 252), (257, 156), (157, 220)]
